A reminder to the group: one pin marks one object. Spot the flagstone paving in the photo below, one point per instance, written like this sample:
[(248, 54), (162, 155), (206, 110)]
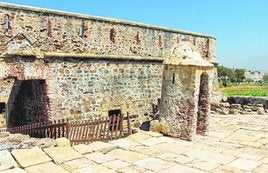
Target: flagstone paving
[(236, 143)]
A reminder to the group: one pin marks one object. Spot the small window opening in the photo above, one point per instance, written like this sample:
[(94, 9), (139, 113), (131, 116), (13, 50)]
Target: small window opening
[(2, 107), (138, 38), (178, 39), (7, 22), (81, 31), (116, 113), (160, 41), (112, 35), (173, 78), (207, 48), (50, 28)]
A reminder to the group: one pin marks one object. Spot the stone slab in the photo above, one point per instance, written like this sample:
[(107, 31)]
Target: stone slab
[(15, 170), (132, 169), (226, 169), (264, 160), (150, 151), (30, 157), (127, 156), (99, 157), (116, 164), (171, 147), (209, 156), (244, 164), (254, 157), (101, 146), (182, 169), (62, 154), (124, 143), (154, 164), (153, 134), (140, 136), (262, 168), (48, 167), (172, 157), (7, 161), (93, 169), (63, 142), (82, 149), (241, 138), (152, 141), (203, 165), (76, 164)]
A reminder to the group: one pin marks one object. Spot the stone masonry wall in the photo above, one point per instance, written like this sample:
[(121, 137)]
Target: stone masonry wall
[(82, 89), (90, 64), (5, 89), (49, 32)]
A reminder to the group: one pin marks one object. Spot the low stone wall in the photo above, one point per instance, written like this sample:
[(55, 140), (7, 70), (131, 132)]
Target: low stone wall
[(241, 105), (249, 100), (10, 141), (226, 108)]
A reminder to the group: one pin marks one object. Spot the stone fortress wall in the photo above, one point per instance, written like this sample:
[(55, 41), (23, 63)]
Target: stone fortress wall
[(90, 65)]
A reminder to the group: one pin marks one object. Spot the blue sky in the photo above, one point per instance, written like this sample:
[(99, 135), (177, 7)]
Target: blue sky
[(240, 26)]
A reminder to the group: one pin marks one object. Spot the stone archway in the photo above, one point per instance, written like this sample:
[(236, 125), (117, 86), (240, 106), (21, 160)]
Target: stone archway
[(203, 105), (28, 102)]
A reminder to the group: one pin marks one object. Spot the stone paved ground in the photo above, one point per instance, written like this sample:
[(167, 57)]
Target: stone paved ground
[(236, 143)]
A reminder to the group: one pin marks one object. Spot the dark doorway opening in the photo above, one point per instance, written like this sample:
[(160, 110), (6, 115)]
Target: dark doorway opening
[(28, 103), (2, 114), (114, 113), (203, 105), (2, 107)]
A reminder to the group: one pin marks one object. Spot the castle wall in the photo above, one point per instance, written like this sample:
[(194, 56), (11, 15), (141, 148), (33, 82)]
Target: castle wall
[(90, 88), (82, 89), (90, 65), (50, 32)]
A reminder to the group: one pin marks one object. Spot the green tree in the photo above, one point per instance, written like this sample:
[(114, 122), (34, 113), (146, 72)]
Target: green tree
[(239, 75), (265, 78), (225, 73)]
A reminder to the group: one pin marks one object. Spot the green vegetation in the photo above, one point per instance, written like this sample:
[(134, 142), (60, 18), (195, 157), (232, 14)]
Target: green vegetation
[(233, 83), (265, 78), (231, 75), (260, 90)]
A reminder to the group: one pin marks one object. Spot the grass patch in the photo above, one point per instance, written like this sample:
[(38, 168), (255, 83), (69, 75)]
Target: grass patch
[(246, 90)]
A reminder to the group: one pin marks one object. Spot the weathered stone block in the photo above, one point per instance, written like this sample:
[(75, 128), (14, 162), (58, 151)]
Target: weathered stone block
[(62, 154), (99, 157), (154, 164), (127, 156), (102, 147), (15, 170), (29, 157), (155, 126), (46, 167), (76, 164), (214, 105), (6, 161), (248, 110), (225, 111), (224, 105), (235, 106), (234, 111), (63, 142), (82, 149)]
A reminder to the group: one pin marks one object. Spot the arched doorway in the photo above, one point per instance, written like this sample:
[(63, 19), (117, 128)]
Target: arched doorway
[(28, 103), (203, 105)]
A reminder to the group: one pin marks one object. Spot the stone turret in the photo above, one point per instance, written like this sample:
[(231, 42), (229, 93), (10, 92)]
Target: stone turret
[(186, 87)]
